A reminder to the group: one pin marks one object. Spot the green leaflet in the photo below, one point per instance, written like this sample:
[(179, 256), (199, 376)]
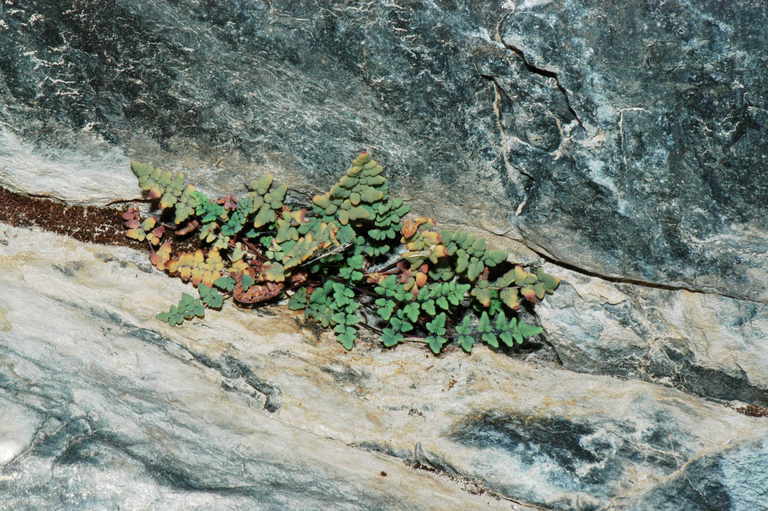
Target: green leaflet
[(390, 337), (475, 268), (274, 272), (412, 311), (210, 297), (299, 300), (225, 283), (436, 343), (262, 184), (187, 308), (437, 325)]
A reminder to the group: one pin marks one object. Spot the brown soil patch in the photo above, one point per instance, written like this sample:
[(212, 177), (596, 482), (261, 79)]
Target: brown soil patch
[(90, 224), (753, 411), (84, 223)]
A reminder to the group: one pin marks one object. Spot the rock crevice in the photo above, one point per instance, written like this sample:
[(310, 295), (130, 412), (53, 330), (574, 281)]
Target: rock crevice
[(536, 69)]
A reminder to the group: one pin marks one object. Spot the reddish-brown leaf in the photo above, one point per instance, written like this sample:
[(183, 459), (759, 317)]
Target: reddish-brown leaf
[(130, 214), (162, 255), (530, 294), (228, 201), (409, 228), (299, 278), (257, 292), (156, 234)]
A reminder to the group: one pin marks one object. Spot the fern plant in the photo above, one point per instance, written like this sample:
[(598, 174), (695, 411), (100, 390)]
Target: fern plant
[(350, 260)]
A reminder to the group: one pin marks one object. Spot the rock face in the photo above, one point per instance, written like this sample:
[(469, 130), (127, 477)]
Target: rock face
[(709, 483), (104, 411), (664, 174), (628, 139), (706, 344), (621, 144), (107, 407)]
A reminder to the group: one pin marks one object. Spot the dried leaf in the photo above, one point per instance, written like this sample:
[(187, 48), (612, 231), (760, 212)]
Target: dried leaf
[(255, 293), (161, 256), (228, 201), (156, 234), (509, 296), (409, 228), (130, 214), (191, 226), (274, 272), (136, 234), (530, 294), (523, 277)]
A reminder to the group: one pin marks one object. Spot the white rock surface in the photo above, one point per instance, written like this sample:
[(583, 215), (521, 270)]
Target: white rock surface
[(708, 344), (111, 407), (94, 173)]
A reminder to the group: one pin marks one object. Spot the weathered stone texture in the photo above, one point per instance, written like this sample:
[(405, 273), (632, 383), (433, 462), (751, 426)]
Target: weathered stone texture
[(621, 143), (627, 138), (710, 345), (108, 407)]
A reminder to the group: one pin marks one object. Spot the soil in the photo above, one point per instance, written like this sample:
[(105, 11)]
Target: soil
[(90, 224), (84, 223)]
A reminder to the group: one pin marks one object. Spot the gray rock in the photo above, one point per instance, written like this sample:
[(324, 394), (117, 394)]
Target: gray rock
[(627, 139), (732, 479), (92, 173), (624, 143), (662, 176)]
